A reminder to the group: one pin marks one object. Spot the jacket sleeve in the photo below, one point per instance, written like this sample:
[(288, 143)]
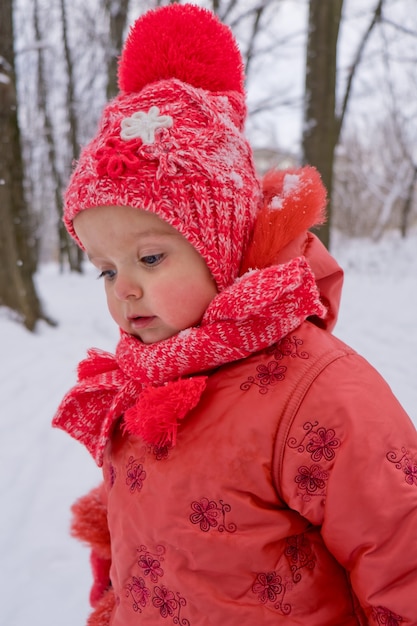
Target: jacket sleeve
[(349, 465)]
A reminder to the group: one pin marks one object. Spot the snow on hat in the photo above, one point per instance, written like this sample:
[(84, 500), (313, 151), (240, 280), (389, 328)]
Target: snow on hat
[(172, 141)]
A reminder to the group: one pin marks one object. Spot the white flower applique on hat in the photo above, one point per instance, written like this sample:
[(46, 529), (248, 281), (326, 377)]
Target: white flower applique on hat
[(144, 125)]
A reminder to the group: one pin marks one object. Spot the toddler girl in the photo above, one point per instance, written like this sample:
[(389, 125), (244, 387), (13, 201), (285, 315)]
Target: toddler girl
[(257, 471)]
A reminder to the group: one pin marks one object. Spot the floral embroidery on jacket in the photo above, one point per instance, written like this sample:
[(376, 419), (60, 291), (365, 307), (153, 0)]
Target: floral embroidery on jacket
[(322, 442), (207, 513), (169, 603), (270, 589), (274, 372), (312, 480), (135, 475), (266, 375), (160, 452), (150, 562), (299, 554), (381, 615), (139, 593), (288, 346), (406, 463)]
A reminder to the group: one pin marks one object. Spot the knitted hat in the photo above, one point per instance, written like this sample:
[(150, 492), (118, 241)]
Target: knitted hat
[(172, 142)]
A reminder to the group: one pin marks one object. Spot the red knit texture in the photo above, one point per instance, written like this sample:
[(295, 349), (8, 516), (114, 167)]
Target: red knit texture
[(184, 42), (294, 200)]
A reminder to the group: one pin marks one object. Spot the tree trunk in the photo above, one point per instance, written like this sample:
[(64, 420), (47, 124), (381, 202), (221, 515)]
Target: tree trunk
[(17, 241), (408, 204), (117, 12), (321, 130), (68, 247)]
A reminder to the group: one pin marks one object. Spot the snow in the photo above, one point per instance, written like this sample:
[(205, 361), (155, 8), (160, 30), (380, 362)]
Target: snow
[(45, 574), (291, 182)]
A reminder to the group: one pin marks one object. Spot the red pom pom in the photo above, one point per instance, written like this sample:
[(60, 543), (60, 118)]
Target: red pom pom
[(184, 42), (156, 414), (101, 577), (294, 201), (89, 522)]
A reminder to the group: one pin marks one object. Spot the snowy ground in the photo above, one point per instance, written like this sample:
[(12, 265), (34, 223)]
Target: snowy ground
[(44, 573)]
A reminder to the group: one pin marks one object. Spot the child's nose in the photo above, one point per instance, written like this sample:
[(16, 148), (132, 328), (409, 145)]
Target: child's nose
[(127, 286)]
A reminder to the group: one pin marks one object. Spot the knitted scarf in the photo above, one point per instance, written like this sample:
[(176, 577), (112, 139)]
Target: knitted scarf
[(154, 386)]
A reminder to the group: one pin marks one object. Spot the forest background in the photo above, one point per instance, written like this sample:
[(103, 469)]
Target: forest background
[(332, 83), (52, 89)]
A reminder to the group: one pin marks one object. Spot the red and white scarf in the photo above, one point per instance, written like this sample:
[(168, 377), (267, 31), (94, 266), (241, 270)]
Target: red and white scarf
[(152, 385)]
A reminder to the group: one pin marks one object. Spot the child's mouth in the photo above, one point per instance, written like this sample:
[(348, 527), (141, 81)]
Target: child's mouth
[(140, 322)]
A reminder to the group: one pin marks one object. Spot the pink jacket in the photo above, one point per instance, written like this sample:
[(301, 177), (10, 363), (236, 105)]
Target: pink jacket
[(289, 498)]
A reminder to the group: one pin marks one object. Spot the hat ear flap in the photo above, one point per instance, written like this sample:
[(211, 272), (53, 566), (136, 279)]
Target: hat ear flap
[(293, 201)]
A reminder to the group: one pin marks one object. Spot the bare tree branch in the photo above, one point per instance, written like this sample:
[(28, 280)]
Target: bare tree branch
[(375, 20), (400, 27), (252, 39)]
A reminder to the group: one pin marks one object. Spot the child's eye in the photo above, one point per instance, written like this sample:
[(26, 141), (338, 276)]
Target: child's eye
[(107, 274), (151, 259)]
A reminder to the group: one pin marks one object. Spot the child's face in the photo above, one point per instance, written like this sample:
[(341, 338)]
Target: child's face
[(156, 283)]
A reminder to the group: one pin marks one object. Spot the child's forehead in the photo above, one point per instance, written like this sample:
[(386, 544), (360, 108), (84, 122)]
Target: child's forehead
[(101, 227), (124, 215)]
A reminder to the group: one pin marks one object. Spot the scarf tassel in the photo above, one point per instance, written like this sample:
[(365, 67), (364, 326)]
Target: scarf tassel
[(156, 415)]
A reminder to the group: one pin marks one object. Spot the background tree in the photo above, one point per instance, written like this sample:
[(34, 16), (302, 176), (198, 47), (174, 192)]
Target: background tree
[(17, 243), (69, 251), (322, 121), (117, 12), (383, 188), (374, 190)]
